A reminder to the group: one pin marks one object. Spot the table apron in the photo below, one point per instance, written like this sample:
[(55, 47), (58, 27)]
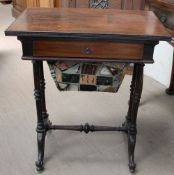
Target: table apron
[(88, 50)]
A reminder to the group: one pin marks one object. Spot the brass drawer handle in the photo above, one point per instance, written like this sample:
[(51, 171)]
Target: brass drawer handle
[(86, 51)]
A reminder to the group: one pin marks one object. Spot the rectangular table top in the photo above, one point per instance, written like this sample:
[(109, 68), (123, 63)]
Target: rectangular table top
[(90, 23)]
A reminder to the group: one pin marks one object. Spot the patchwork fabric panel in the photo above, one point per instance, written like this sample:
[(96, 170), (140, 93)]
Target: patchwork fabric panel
[(82, 76)]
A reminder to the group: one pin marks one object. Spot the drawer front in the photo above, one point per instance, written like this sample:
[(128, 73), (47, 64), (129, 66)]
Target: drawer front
[(89, 49)]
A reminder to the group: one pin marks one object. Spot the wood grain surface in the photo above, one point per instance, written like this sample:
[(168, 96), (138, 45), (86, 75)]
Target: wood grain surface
[(87, 49), (88, 22)]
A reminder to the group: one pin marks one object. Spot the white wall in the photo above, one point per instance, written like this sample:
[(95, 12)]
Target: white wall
[(161, 69)]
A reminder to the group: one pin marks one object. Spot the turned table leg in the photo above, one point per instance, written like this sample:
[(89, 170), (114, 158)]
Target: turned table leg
[(130, 123), (170, 90), (45, 115), (42, 116)]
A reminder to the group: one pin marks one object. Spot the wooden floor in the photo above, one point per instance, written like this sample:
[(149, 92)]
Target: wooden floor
[(70, 153)]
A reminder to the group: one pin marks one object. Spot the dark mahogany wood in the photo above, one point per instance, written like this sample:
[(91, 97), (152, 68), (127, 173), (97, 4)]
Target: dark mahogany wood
[(89, 23), (90, 35), (130, 123), (45, 115), (87, 128), (87, 49), (41, 129)]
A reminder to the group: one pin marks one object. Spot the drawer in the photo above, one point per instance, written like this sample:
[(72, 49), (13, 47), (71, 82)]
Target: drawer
[(87, 49)]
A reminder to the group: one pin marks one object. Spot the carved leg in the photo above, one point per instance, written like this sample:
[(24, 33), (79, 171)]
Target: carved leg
[(132, 87), (41, 130), (136, 91), (42, 90), (170, 90), (131, 147), (41, 146)]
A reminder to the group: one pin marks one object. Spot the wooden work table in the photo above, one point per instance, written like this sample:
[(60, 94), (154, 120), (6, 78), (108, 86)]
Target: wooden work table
[(88, 35)]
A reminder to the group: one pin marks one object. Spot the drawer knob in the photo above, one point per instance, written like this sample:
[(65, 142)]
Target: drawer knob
[(86, 51)]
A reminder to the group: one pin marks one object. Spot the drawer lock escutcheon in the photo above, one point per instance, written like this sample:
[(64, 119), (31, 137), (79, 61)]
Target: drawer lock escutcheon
[(86, 51)]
